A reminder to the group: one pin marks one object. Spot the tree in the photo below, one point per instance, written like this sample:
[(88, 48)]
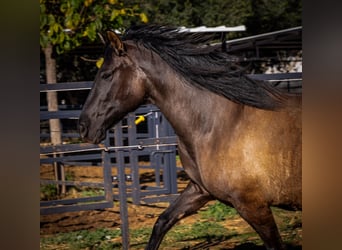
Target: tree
[(272, 15), (66, 24), (259, 16)]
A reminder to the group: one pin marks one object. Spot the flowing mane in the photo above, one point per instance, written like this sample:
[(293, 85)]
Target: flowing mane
[(205, 66)]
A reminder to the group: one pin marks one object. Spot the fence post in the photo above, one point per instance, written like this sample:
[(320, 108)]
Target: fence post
[(132, 135), (107, 173), (120, 161)]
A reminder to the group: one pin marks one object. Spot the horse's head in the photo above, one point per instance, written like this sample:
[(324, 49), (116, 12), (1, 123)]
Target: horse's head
[(118, 89)]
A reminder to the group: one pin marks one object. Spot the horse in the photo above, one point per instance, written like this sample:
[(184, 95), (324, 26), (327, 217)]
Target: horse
[(239, 140)]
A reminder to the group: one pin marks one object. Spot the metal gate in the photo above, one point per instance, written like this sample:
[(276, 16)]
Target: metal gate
[(124, 145)]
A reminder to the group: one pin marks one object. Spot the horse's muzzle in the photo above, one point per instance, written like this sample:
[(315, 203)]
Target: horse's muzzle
[(87, 135), (82, 127)]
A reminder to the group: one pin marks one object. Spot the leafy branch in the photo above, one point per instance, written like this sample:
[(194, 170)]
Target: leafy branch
[(66, 24)]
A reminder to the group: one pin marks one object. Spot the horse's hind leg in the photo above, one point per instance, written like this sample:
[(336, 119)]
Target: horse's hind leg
[(189, 201), (262, 220)]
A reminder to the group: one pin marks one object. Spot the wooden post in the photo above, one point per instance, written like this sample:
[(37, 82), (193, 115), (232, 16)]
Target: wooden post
[(55, 124)]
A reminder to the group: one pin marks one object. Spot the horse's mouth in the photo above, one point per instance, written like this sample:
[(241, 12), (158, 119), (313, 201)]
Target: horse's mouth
[(92, 135), (96, 139), (99, 136)]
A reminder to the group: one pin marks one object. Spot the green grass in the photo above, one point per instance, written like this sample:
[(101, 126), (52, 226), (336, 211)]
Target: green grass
[(48, 192), (92, 192), (84, 239), (179, 236), (209, 229), (218, 212)]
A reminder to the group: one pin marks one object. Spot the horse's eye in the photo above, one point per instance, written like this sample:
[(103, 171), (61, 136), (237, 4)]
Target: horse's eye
[(107, 75)]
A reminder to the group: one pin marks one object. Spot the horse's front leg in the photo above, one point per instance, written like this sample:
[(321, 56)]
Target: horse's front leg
[(190, 200)]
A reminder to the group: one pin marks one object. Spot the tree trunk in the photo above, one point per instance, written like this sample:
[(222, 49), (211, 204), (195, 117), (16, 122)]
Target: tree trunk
[(55, 125), (52, 100)]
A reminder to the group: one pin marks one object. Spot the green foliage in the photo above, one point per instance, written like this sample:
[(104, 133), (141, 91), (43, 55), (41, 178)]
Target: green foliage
[(48, 192), (258, 16), (192, 13), (67, 23), (218, 212), (272, 15)]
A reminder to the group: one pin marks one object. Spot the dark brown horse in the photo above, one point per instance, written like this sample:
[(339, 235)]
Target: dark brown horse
[(239, 140)]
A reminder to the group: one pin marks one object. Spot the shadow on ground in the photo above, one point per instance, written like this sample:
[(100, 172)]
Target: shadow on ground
[(244, 246)]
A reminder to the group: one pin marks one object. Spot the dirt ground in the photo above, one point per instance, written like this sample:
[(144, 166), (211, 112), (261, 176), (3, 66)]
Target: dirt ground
[(141, 216)]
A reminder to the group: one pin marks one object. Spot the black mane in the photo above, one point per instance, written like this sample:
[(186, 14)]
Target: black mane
[(205, 66)]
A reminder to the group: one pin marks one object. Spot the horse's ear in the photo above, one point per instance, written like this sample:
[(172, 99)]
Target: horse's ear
[(115, 42), (101, 38)]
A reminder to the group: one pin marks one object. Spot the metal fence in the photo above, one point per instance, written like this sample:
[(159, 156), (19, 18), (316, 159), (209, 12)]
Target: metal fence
[(122, 149), (143, 136)]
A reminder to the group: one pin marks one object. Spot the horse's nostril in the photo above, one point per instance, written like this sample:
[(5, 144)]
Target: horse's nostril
[(82, 129)]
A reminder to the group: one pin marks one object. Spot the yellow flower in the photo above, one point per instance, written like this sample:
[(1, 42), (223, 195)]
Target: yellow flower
[(143, 18), (99, 62)]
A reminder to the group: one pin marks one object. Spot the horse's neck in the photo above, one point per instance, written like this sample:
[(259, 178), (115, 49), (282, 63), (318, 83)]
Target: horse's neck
[(182, 106), (190, 110)]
